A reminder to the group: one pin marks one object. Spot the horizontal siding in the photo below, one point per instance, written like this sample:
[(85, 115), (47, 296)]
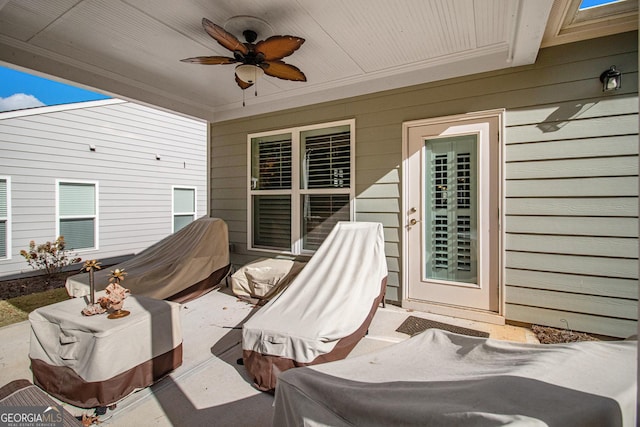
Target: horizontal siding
[(570, 170), (573, 226), (610, 326), (577, 303), (573, 283), (572, 214), (134, 187)]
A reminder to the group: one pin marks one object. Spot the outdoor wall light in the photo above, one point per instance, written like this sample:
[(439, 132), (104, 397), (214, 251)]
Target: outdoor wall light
[(611, 79), (157, 156), (92, 147)]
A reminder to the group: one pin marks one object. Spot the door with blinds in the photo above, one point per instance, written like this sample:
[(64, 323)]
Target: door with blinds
[(452, 213)]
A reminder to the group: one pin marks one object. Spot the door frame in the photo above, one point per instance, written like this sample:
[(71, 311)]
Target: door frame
[(443, 309)]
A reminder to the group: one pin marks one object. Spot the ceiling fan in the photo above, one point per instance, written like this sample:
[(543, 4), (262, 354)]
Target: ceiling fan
[(255, 59)]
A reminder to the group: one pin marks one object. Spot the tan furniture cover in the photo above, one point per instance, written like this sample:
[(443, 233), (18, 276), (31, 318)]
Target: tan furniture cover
[(264, 278), (439, 378), (91, 361), (325, 311), (179, 267)]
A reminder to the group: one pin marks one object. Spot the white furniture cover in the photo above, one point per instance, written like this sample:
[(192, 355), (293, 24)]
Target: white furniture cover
[(180, 267), (263, 278), (325, 311), (91, 361), (439, 378)]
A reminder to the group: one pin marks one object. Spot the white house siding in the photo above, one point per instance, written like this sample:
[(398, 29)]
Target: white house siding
[(40, 146), (571, 156)]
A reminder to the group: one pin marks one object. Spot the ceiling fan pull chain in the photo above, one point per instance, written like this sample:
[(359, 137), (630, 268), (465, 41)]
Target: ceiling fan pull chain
[(243, 97)]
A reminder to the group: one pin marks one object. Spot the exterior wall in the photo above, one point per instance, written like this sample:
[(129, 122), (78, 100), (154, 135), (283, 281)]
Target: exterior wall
[(571, 166), (39, 146)]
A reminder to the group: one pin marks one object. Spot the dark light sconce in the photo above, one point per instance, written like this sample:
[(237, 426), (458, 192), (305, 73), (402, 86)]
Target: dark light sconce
[(611, 79)]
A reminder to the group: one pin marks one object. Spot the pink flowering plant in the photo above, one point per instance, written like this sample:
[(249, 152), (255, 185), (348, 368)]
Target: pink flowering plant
[(51, 257)]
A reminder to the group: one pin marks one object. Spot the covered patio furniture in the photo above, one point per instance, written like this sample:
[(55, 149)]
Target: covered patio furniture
[(91, 361), (180, 267), (325, 311), (440, 378), (264, 278)]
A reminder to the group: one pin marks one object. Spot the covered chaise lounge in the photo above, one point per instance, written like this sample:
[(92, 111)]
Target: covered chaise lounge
[(180, 267), (325, 311), (440, 378)]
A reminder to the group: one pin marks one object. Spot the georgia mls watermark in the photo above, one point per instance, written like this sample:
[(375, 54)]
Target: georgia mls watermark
[(31, 416)]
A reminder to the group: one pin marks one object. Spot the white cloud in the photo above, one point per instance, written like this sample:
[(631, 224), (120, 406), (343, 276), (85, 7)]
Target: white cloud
[(19, 101)]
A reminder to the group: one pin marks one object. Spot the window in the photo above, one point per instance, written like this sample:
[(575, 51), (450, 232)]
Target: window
[(5, 215), (77, 214), (301, 184), (184, 206), (450, 201)]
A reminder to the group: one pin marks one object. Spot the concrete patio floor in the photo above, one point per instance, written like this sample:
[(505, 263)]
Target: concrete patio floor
[(210, 388)]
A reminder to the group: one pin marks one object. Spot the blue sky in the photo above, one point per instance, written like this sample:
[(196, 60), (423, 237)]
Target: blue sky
[(589, 3), (21, 90)]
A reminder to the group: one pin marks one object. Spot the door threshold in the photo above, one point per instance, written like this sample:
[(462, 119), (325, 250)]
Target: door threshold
[(454, 311)]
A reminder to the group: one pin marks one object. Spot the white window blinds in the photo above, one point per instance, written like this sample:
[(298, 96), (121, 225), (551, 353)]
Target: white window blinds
[(301, 186), (184, 207), (451, 208), (77, 214), (4, 218)]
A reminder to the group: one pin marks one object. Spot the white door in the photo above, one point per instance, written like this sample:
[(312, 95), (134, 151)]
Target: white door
[(452, 200)]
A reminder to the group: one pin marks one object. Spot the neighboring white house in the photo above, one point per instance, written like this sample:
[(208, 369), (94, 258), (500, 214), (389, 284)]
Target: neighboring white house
[(113, 177)]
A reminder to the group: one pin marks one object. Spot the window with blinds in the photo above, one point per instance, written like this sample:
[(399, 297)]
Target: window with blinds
[(4, 218), (301, 185), (77, 214), (451, 208), (184, 207)]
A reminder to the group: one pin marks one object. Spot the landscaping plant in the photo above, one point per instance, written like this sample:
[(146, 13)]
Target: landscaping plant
[(51, 257)]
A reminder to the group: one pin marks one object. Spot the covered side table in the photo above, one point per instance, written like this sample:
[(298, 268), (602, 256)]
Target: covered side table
[(91, 361)]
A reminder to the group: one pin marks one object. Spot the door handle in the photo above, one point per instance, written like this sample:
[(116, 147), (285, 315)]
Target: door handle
[(413, 221)]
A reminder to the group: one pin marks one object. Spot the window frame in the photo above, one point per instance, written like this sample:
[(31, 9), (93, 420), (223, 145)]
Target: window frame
[(295, 191), (195, 204), (95, 217), (7, 220)]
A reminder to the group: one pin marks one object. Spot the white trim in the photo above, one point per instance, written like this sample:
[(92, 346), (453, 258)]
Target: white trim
[(9, 241), (488, 316), (96, 234), (56, 108), (195, 204), (295, 191)]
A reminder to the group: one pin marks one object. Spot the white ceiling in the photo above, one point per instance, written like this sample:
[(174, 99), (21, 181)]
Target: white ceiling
[(132, 48)]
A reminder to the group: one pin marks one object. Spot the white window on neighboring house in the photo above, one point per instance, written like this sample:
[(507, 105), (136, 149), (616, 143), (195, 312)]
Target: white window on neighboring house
[(301, 183), (5, 218), (78, 214), (184, 206)]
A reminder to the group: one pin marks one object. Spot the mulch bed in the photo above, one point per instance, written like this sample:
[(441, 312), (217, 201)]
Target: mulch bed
[(30, 285), (548, 335)]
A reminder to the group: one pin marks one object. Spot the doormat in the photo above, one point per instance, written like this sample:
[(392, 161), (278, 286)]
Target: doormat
[(414, 325)]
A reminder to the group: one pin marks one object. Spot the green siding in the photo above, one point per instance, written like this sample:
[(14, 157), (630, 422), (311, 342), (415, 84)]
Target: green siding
[(570, 153)]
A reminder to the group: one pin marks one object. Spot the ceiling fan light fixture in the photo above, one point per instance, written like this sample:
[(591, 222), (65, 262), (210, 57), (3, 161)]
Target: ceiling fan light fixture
[(249, 73)]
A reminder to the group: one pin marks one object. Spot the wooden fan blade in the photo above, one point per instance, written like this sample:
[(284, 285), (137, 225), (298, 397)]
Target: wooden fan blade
[(283, 71), (210, 60), (242, 83), (223, 37), (277, 47)]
